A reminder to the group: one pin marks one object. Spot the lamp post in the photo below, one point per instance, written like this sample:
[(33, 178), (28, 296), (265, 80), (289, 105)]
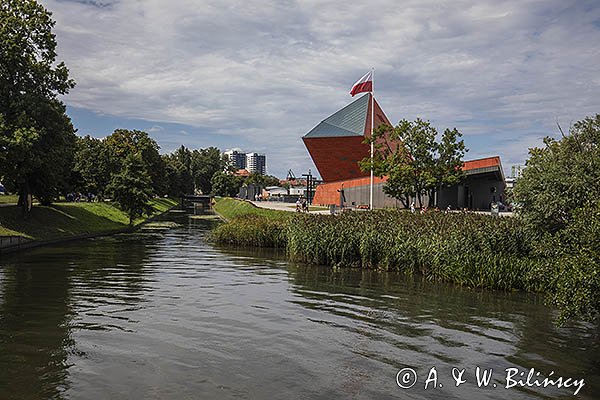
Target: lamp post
[(309, 186)]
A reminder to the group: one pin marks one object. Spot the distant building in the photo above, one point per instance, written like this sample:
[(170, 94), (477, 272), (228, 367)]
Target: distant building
[(256, 163), (516, 171), (510, 182), (275, 191), (242, 172), (337, 144), (237, 158)]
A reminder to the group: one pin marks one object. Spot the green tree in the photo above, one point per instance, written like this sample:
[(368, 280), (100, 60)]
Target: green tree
[(178, 176), (92, 165), (558, 198), (415, 164), (261, 180), (205, 163), (575, 265), (561, 177), (36, 136), (131, 187), (122, 143), (226, 185), (450, 151)]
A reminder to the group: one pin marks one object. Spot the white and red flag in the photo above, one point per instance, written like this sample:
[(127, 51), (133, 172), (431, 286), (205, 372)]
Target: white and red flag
[(364, 84)]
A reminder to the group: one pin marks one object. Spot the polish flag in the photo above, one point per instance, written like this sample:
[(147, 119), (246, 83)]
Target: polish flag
[(364, 84)]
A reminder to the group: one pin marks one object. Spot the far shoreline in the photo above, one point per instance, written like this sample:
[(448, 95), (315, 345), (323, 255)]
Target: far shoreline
[(67, 222)]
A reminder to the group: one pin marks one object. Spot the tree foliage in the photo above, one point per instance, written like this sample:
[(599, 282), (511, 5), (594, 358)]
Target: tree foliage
[(261, 180), (92, 166), (558, 201), (575, 265), (36, 136), (204, 164), (131, 187), (561, 177), (179, 176), (414, 162), (225, 184), (123, 142)]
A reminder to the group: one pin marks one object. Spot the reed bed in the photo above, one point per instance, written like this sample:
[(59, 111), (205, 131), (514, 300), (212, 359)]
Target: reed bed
[(252, 231), (465, 248), (470, 249)]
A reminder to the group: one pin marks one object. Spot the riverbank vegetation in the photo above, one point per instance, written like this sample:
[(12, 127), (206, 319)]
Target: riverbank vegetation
[(551, 246), (62, 220), (232, 208), (250, 226), (467, 248), (559, 203)]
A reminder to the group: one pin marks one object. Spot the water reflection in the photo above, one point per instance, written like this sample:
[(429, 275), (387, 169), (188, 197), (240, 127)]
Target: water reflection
[(35, 315), (45, 296), (410, 322), (163, 313)]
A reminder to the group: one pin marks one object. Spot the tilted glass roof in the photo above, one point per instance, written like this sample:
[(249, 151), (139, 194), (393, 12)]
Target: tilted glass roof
[(349, 121)]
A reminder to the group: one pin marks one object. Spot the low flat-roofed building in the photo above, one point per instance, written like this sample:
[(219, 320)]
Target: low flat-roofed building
[(483, 184)]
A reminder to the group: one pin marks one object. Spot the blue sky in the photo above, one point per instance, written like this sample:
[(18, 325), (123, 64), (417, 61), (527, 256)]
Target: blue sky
[(257, 75)]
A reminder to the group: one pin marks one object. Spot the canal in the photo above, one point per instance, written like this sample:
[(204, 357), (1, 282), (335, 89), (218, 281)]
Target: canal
[(164, 314)]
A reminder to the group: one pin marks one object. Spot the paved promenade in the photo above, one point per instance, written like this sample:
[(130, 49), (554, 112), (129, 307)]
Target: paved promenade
[(291, 207), (281, 206)]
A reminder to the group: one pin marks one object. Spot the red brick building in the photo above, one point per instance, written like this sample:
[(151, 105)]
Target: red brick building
[(336, 146)]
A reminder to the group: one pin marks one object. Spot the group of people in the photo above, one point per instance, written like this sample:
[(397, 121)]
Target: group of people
[(424, 209), (77, 197), (301, 205)]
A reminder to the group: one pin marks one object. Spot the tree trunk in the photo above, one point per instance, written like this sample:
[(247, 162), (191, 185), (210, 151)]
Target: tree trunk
[(25, 201), (404, 201)]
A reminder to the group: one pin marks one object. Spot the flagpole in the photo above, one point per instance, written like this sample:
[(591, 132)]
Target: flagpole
[(372, 141)]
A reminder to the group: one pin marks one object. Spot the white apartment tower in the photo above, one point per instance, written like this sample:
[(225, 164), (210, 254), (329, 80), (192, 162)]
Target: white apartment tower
[(256, 163)]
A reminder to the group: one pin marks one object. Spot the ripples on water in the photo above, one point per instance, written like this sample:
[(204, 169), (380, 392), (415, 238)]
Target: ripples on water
[(162, 314)]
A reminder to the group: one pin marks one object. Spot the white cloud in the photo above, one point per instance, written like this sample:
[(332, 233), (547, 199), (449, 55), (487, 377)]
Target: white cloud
[(270, 70)]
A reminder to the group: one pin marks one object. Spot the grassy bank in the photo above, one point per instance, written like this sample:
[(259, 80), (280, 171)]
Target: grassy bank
[(230, 208), (469, 249), (70, 219), (8, 199), (250, 226)]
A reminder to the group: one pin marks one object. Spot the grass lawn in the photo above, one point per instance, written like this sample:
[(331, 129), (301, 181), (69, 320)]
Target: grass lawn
[(8, 199), (70, 219), (231, 208)]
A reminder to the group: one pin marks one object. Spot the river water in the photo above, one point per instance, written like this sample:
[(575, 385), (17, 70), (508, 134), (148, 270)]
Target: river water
[(164, 314)]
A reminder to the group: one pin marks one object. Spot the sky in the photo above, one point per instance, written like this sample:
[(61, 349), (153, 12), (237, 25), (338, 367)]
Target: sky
[(258, 75)]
